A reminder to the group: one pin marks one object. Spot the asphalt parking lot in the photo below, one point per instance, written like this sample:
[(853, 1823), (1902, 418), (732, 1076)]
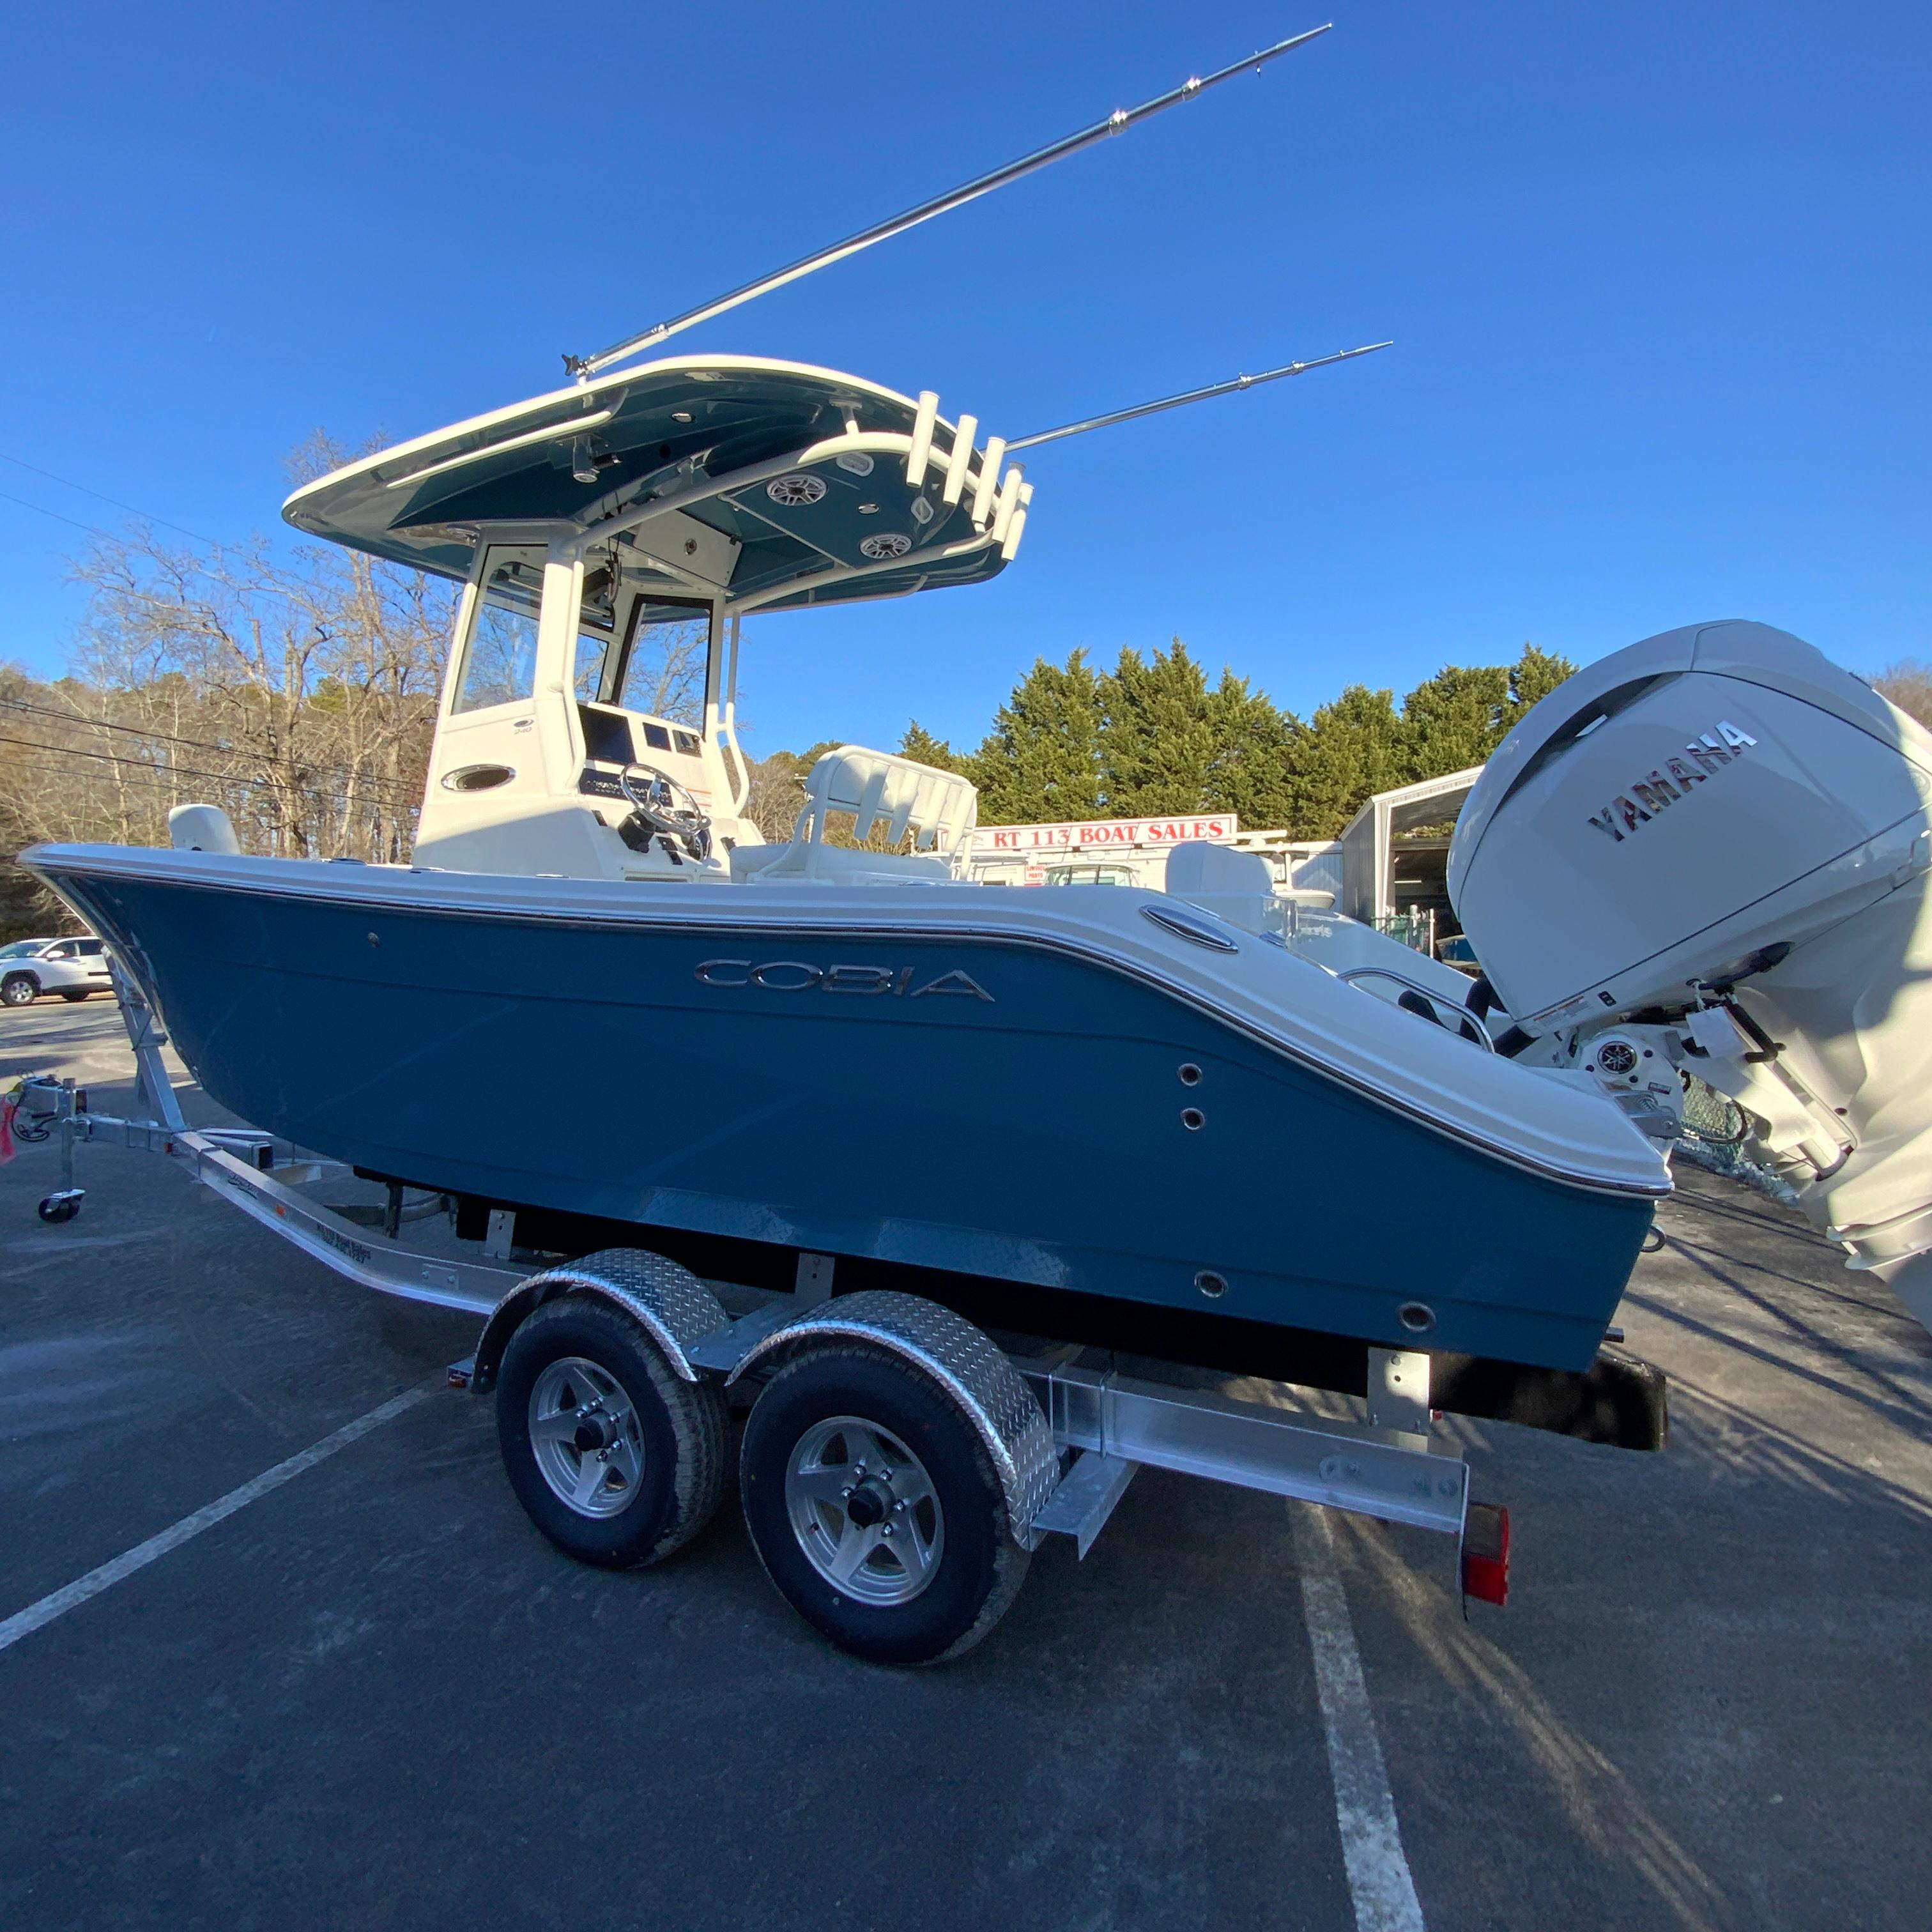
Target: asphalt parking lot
[(375, 1697)]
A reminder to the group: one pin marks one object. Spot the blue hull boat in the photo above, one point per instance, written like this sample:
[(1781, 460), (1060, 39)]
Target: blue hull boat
[(1088, 1089), (600, 994), (610, 996)]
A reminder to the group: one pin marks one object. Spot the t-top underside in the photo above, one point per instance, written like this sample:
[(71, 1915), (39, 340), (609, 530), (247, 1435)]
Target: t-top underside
[(823, 488)]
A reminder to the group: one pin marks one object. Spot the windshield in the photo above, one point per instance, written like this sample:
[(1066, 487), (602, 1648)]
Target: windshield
[(22, 949), (659, 668), (664, 668), (500, 664)]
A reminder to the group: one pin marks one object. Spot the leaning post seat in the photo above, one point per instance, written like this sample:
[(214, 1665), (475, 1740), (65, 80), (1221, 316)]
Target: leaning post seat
[(1237, 886), (201, 828), (885, 793)]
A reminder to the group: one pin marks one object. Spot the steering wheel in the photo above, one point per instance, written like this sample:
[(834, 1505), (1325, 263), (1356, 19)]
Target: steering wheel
[(666, 808)]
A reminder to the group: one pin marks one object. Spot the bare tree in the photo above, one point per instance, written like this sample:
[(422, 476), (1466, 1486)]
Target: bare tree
[(296, 689), (1909, 685), (777, 794), (665, 675)]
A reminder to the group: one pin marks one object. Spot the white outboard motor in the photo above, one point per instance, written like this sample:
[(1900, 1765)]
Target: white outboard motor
[(1710, 851)]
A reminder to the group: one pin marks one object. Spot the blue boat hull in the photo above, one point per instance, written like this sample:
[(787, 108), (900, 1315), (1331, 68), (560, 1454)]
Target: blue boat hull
[(991, 1108)]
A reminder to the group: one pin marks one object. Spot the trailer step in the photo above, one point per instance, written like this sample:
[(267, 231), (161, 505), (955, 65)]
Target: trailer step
[(1080, 1506)]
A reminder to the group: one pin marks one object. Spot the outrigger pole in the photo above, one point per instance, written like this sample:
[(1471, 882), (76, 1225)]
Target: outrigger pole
[(1192, 396), (584, 367)]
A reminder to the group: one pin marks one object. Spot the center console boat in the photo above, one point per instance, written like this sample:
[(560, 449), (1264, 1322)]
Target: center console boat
[(625, 1038), (841, 1048), (601, 1018)]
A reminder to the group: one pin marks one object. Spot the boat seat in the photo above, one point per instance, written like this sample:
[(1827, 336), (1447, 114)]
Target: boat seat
[(839, 862), (896, 797), (1238, 886), (201, 828)]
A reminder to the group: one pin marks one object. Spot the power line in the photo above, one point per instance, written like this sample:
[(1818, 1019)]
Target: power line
[(154, 784), (108, 536), (184, 771), (194, 744), (149, 597), (10, 497), (68, 482)]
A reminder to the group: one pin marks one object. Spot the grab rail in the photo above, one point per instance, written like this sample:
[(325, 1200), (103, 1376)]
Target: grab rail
[(1435, 999)]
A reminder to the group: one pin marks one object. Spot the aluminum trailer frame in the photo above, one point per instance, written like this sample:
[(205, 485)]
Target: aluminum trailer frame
[(1105, 1425)]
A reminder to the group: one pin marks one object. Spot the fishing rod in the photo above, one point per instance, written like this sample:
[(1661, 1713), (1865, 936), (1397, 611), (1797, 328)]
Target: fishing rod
[(1192, 396), (584, 367), (1000, 500)]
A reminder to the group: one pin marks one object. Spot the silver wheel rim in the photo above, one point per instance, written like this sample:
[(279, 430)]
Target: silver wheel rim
[(585, 1437), (842, 1471)]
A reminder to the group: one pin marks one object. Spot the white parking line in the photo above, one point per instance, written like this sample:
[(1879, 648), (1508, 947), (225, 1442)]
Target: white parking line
[(35, 1616), (1379, 1884)]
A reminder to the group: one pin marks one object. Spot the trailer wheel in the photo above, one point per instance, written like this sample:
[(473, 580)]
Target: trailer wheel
[(613, 1456), (875, 1509)]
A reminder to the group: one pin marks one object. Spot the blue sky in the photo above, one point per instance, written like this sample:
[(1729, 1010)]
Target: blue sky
[(1657, 275)]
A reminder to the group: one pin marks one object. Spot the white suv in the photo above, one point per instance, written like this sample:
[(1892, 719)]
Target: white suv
[(72, 967)]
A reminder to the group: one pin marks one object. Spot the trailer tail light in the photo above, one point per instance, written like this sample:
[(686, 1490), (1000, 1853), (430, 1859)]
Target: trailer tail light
[(1486, 1553)]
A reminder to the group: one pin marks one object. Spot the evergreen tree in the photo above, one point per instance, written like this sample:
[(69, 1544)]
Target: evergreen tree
[(1454, 720), (1249, 771), (1157, 736), (1041, 761), (919, 745), (1152, 738), (1534, 675), (1351, 748)]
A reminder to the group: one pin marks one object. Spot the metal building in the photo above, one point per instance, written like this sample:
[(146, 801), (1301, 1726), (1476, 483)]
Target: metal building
[(1393, 863)]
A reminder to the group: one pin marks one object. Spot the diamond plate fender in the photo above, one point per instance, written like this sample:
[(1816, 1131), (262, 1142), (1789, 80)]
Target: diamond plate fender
[(669, 1302), (947, 1349)]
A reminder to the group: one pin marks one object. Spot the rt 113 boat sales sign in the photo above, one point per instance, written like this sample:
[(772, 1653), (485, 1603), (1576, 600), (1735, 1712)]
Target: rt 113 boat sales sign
[(1117, 831)]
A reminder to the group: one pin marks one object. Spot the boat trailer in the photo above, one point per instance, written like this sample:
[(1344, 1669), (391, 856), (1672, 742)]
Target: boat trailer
[(1063, 1429)]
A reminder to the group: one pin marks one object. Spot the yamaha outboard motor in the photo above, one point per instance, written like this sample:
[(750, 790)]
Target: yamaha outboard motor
[(1709, 852)]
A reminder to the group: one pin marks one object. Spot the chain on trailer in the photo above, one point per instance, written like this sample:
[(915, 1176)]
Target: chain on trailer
[(1104, 1425)]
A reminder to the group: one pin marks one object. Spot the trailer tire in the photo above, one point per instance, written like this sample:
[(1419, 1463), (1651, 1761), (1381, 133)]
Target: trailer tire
[(972, 1567), (667, 1436)]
